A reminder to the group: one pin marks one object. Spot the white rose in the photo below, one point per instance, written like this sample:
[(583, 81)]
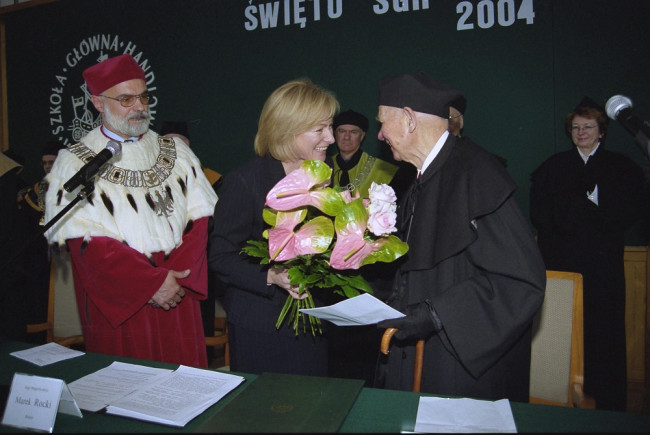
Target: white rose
[(381, 192), (382, 223)]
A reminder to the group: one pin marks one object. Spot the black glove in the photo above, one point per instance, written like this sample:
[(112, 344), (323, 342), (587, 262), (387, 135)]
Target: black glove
[(420, 322)]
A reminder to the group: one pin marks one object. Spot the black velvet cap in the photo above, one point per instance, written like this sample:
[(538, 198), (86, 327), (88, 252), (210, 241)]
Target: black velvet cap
[(419, 92), (178, 127), (459, 104), (351, 117), (588, 102), (52, 148)]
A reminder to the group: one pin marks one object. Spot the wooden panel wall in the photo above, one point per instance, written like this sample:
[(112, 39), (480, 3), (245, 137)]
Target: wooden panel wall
[(636, 311)]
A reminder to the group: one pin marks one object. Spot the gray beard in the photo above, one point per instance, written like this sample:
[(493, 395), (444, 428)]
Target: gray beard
[(123, 126)]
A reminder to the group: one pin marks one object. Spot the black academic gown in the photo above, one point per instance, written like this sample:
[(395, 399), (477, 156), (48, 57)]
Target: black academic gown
[(472, 254), (13, 303), (251, 305), (574, 234)]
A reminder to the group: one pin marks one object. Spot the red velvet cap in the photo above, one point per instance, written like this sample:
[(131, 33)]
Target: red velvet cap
[(110, 72)]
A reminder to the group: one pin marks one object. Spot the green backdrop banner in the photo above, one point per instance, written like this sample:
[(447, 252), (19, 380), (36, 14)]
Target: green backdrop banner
[(522, 64)]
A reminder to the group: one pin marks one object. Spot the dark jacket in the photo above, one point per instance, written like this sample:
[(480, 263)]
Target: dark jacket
[(473, 256), (250, 303), (575, 234)]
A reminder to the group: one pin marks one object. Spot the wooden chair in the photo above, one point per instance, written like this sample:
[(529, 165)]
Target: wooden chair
[(557, 353), (64, 309), (220, 338)]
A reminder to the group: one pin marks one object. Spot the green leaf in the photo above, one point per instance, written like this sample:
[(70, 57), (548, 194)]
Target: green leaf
[(257, 249), (350, 291), (360, 283), (390, 249)]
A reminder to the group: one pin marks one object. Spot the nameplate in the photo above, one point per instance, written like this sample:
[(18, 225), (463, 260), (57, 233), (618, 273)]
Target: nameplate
[(34, 401)]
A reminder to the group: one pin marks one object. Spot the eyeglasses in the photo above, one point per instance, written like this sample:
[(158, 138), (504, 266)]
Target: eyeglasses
[(343, 131), (579, 128), (129, 100)]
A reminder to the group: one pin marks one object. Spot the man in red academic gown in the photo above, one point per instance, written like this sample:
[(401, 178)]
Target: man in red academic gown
[(138, 242)]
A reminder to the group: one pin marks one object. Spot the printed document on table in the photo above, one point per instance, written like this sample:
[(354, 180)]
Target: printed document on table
[(441, 415), (178, 397), (46, 354), (97, 390), (364, 309)]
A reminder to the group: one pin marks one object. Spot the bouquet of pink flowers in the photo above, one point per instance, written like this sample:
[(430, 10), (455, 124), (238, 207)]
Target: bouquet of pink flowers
[(320, 234)]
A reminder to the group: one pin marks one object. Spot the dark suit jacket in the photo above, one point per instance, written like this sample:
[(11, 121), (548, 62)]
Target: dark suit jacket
[(251, 305), (237, 219)]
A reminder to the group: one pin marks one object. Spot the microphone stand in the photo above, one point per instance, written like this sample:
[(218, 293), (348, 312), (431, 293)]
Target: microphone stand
[(86, 190), (643, 142)]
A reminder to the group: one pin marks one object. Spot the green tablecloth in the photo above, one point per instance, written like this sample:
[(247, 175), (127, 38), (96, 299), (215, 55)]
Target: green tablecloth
[(73, 369), (374, 410)]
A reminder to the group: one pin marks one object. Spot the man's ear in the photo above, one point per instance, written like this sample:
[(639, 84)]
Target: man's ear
[(98, 103), (411, 119)]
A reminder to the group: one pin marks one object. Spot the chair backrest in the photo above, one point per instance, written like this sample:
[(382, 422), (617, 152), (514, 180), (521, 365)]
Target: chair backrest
[(557, 355), (66, 320), (220, 338), (62, 325)]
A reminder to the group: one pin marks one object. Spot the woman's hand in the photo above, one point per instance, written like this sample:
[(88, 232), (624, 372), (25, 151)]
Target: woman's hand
[(280, 277)]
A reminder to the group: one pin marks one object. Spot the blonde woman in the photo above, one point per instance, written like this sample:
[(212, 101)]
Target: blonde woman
[(295, 125)]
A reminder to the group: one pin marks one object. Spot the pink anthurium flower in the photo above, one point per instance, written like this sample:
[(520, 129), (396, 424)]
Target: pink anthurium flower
[(313, 237), (306, 186), (352, 250)]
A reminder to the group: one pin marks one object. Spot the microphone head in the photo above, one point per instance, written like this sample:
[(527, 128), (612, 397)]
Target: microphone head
[(617, 103), (114, 147)]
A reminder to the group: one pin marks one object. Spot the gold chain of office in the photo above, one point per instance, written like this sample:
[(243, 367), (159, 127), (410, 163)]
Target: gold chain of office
[(362, 175), (147, 178)]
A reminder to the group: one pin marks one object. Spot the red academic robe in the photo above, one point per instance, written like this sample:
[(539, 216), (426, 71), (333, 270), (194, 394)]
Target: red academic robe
[(114, 284)]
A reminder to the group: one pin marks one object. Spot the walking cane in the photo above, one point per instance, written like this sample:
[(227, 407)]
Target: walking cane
[(419, 356)]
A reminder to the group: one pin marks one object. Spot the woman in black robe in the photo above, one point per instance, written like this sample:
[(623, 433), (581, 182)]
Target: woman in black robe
[(581, 203)]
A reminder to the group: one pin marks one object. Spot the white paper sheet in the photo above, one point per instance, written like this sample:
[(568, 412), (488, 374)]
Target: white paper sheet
[(178, 397), (440, 415), (95, 391), (46, 354), (364, 309)]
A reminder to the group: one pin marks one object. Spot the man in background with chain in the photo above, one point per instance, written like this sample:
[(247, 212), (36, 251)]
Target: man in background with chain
[(353, 168)]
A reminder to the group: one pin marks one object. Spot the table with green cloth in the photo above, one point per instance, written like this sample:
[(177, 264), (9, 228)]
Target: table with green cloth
[(374, 410)]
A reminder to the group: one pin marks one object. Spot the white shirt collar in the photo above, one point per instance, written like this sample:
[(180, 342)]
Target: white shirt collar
[(434, 152), (585, 158), (109, 134)]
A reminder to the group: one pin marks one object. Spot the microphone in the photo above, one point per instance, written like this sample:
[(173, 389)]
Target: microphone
[(619, 108), (90, 169)]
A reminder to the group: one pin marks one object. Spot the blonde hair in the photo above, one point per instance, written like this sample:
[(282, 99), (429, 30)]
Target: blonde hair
[(291, 109)]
